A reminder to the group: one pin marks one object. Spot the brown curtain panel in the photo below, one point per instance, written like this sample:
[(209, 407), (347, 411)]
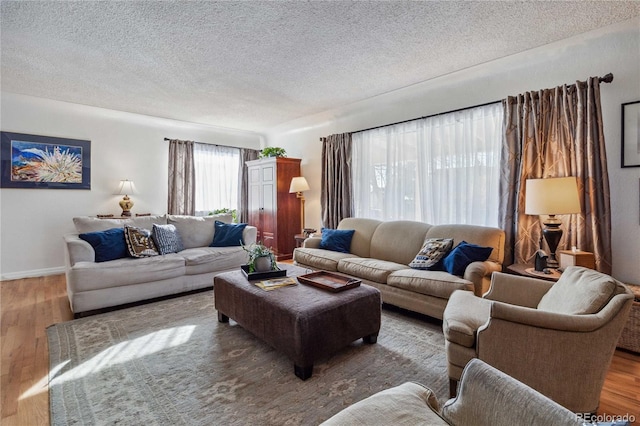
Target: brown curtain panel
[(246, 154), (181, 178), (335, 198), (556, 133)]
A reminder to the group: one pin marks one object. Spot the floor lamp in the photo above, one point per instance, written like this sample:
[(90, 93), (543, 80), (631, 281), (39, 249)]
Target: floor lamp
[(299, 185), (552, 196)]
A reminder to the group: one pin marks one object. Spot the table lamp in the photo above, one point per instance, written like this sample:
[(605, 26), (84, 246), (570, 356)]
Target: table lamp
[(126, 187), (299, 185), (552, 196)]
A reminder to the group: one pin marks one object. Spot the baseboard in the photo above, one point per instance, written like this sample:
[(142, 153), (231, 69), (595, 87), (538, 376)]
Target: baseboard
[(33, 273)]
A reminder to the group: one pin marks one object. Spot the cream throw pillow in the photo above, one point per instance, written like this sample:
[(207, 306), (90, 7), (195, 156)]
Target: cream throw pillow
[(579, 291)]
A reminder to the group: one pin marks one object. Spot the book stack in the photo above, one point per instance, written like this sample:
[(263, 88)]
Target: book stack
[(275, 283)]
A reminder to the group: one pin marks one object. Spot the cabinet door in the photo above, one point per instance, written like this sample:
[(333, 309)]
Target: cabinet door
[(269, 210), (254, 204)]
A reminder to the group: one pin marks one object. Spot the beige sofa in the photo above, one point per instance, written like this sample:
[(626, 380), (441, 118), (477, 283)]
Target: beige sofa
[(487, 397), (381, 251), (95, 285)]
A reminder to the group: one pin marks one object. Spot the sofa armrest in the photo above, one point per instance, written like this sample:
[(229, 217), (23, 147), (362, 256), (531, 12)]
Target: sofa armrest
[(408, 404), (487, 396), (312, 242), (477, 271), (78, 250), (517, 290), (249, 235)]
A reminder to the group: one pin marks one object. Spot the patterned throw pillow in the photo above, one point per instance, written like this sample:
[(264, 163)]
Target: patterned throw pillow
[(139, 242), (433, 250), (167, 238)]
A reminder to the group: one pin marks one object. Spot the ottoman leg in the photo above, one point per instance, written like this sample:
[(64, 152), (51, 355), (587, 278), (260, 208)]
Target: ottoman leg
[(371, 339), (222, 317), (303, 372)]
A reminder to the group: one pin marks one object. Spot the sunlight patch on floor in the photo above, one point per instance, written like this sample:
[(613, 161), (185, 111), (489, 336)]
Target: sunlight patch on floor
[(120, 353)]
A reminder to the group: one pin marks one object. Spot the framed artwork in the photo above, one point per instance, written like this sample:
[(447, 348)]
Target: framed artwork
[(33, 161), (631, 134)]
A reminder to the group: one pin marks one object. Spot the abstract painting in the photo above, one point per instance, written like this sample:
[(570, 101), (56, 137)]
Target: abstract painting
[(33, 161)]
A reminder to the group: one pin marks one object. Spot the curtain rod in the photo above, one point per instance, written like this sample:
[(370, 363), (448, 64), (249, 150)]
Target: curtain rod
[(204, 143), (607, 78)]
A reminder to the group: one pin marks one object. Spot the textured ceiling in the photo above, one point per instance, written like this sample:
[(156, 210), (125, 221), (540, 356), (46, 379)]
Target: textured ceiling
[(252, 65)]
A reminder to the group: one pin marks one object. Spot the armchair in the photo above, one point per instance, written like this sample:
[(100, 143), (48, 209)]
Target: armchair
[(558, 338), (487, 397)]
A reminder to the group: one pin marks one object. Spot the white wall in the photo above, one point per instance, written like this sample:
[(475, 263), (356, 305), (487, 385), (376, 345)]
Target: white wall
[(614, 49), (123, 146)]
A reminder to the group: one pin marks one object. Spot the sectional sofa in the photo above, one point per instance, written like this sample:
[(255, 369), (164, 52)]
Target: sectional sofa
[(380, 253), (95, 285)]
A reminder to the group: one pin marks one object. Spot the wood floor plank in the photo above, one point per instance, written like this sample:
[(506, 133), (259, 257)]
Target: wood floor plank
[(30, 305)]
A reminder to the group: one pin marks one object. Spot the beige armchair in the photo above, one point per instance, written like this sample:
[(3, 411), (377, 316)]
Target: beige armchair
[(558, 338)]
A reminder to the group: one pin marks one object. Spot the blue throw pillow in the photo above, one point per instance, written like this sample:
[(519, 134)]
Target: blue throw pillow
[(462, 255), (337, 239), (228, 234), (108, 245)]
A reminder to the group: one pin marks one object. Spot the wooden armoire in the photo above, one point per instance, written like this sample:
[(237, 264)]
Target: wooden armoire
[(272, 209)]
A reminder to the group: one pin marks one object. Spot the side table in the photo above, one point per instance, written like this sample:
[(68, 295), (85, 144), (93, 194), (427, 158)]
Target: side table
[(527, 270), (300, 239)]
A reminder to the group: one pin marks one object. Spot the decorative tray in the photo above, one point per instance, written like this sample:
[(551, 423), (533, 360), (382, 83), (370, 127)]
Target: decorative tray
[(262, 275), (329, 281)]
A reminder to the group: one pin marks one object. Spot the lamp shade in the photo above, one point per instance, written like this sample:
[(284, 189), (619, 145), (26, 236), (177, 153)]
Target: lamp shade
[(552, 196), (126, 187), (299, 184)]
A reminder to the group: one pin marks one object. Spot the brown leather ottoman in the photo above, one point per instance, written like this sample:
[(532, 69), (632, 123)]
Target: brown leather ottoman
[(303, 322)]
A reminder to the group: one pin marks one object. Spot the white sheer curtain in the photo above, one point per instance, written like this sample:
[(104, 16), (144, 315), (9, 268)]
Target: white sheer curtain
[(216, 170), (440, 169)]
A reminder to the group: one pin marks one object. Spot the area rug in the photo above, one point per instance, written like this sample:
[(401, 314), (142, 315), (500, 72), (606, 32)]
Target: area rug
[(172, 363)]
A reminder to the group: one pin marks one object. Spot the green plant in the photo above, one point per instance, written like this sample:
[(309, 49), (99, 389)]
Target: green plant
[(257, 250), (272, 151), (234, 213)]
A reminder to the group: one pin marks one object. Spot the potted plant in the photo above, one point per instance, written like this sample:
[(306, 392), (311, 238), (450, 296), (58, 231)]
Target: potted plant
[(261, 258), (234, 213), (272, 151)]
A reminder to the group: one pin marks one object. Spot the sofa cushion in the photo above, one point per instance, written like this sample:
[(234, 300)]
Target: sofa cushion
[(462, 317), (139, 242), (463, 255), (398, 241), (432, 283), (369, 269), (197, 231), (202, 260), (337, 239), (228, 234), (107, 245), (481, 235), (361, 241), (433, 250), (167, 238), (86, 224), (316, 258), (87, 276), (579, 291), (407, 404)]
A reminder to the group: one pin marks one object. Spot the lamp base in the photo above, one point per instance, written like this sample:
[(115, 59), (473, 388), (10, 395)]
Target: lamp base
[(126, 204), (552, 235)]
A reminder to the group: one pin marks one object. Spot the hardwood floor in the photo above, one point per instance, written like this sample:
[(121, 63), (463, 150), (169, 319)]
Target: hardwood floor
[(30, 305)]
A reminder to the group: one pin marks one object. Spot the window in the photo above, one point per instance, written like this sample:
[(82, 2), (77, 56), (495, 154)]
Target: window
[(440, 169), (216, 170)]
